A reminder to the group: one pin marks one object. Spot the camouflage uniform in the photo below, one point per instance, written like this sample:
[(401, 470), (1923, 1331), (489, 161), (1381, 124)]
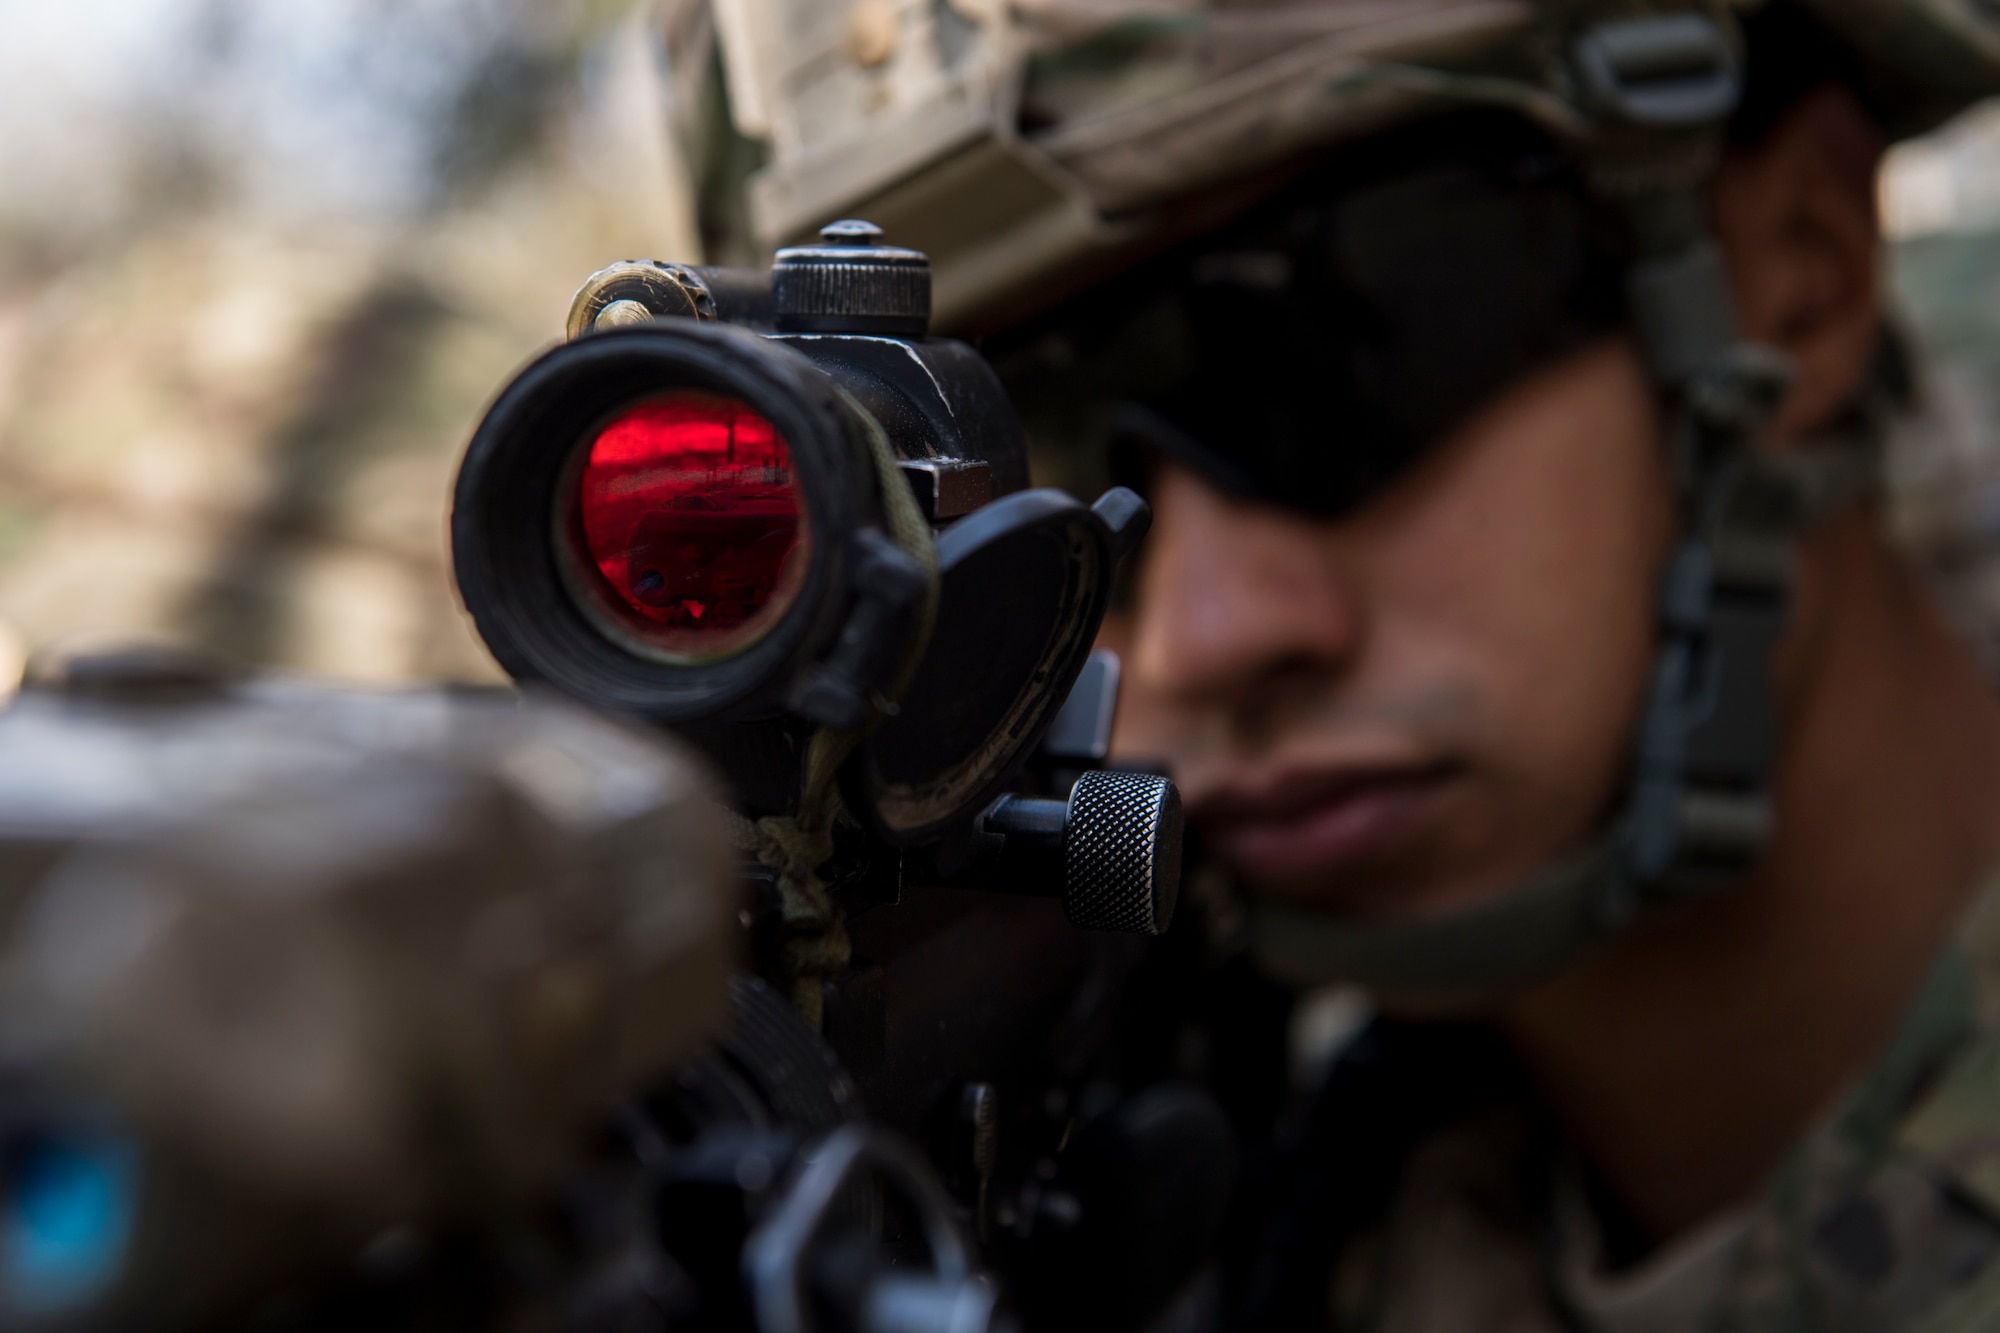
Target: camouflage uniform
[(1885, 1216)]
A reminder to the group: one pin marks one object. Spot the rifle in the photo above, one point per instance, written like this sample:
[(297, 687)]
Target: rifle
[(768, 512), (310, 1000), (768, 515)]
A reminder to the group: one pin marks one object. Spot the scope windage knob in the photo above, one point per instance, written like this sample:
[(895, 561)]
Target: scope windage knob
[(852, 283), (1122, 853)]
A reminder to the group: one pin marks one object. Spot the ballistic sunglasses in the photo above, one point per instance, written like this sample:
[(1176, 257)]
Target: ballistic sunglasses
[(1311, 351)]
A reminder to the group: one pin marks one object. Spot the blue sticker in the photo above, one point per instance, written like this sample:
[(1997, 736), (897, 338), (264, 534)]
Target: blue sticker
[(70, 1201)]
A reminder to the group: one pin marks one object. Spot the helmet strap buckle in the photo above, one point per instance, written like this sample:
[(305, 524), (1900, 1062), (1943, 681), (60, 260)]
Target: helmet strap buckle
[(1699, 807)]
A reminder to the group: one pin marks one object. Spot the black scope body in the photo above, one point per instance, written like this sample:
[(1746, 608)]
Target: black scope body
[(752, 506)]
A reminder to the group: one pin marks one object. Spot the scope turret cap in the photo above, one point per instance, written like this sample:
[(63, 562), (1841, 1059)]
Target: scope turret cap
[(852, 282), (1019, 140)]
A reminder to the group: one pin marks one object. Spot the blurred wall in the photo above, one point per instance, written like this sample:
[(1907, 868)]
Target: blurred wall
[(260, 268), (1941, 210)]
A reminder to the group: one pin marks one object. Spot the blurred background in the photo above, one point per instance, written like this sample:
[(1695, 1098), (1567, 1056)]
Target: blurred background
[(262, 265), (260, 268), (1940, 200)]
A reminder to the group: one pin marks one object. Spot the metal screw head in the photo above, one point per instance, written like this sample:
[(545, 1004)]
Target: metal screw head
[(622, 312), (851, 231)]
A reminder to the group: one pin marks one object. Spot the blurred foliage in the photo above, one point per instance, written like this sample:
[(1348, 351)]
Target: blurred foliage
[(260, 268)]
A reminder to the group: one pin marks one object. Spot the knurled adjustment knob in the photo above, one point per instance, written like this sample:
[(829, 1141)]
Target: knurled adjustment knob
[(1122, 853), (852, 283)]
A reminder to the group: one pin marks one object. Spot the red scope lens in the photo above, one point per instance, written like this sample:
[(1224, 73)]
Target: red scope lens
[(690, 513)]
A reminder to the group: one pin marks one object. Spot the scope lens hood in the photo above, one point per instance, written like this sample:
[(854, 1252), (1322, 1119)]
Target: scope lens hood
[(1023, 585), (653, 519)]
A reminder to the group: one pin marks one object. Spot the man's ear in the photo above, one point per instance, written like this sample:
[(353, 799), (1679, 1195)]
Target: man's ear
[(1796, 216)]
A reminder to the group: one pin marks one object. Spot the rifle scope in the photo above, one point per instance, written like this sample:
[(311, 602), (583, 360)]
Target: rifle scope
[(681, 513)]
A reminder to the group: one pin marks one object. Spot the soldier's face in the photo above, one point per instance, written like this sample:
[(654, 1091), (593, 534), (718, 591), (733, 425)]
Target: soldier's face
[(1411, 707)]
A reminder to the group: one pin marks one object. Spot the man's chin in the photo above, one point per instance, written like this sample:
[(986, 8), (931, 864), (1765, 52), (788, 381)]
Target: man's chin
[(1353, 895), (1406, 887)]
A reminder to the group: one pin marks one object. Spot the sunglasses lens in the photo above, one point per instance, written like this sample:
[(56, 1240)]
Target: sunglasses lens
[(1312, 351)]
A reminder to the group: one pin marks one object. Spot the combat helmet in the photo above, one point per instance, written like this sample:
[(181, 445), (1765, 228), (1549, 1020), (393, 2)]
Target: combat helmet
[(1015, 139), (1022, 142)]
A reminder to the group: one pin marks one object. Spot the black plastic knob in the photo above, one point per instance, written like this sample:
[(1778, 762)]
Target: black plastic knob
[(1112, 851), (1122, 853), (852, 283)]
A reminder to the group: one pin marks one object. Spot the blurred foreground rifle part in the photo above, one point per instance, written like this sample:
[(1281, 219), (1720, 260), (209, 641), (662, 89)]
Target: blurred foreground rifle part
[(288, 973)]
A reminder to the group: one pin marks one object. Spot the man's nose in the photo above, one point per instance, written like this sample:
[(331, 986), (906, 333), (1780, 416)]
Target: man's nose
[(1235, 596)]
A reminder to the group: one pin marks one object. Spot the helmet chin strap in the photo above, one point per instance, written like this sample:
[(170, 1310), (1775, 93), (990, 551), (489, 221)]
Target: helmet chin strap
[(1696, 809), (1694, 813), (1464, 959)]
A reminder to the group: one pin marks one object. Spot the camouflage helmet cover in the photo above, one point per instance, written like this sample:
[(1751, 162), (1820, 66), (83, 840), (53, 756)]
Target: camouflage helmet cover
[(1015, 138)]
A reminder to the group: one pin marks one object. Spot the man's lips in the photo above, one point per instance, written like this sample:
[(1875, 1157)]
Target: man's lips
[(1308, 826)]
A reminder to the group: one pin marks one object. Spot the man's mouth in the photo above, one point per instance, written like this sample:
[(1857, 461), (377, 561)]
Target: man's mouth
[(1306, 827)]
